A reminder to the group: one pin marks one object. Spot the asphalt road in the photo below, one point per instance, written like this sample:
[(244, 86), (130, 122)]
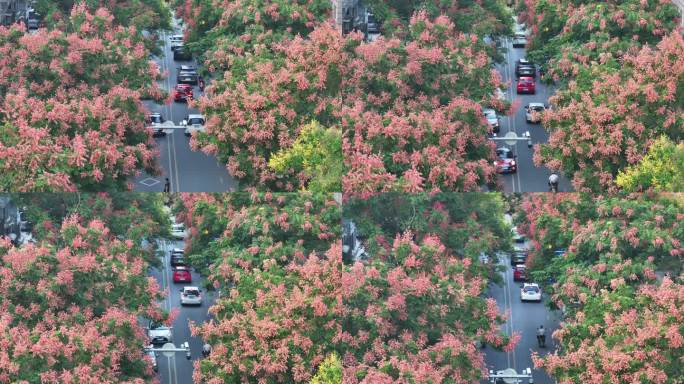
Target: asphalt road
[(187, 170), (529, 178), (178, 370), (523, 318)]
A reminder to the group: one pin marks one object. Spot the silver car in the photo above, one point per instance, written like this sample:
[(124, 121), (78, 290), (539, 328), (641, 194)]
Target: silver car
[(194, 123), (191, 296), (533, 112)]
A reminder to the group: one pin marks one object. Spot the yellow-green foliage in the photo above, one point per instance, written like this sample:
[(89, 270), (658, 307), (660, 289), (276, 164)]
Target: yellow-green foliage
[(329, 372), (662, 169), (318, 153)]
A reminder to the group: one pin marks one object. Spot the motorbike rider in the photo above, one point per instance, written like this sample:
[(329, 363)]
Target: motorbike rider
[(541, 336), (553, 182), (206, 349)]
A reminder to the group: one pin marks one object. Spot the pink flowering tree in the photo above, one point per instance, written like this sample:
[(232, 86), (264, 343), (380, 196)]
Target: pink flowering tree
[(241, 230), (413, 118), (224, 31), (276, 324), (625, 325), (277, 260), (262, 103), (70, 308), (573, 35), (415, 314), (70, 115), (607, 284), (607, 119)]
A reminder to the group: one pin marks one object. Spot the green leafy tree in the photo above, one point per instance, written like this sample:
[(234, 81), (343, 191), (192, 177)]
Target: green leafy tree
[(317, 153), (662, 169), (329, 372)]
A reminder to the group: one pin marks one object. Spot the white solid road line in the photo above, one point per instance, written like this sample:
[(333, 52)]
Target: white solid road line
[(510, 309)]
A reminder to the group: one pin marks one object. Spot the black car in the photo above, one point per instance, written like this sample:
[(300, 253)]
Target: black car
[(178, 260), (518, 257), (181, 53), (372, 24), (187, 78), (156, 119), (526, 70)]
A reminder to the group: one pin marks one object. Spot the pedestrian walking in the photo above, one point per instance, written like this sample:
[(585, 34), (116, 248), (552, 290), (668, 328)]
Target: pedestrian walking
[(167, 186), (201, 84), (541, 336)]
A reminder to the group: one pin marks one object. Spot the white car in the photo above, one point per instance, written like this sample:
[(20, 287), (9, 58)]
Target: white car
[(193, 123), (492, 119), (519, 40), (191, 296), (530, 292), (159, 333), (533, 112), (178, 231), (176, 41)]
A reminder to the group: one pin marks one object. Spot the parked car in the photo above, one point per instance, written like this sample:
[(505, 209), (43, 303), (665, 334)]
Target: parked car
[(505, 162), (525, 85), (533, 112), (181, 54), (181, 274), (182, 92), (526, 70), (530, 292), (178, 231), (193, 123), (156, 120), (518, 257), (519, 40), (152, 357), (517, 237), (159, 333), (372, 25), (519, 273), (492, 119), (191, 296)]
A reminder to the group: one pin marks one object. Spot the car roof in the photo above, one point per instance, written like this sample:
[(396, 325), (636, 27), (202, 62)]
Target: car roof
[(535, 105), (530, 285), (183, 86), (181, 268), (503, 149), (155, 114), (175, 250), (191, 287), (194, 116)]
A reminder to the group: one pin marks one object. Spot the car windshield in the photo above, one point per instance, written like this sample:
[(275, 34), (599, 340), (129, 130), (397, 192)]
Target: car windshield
[(531, 289), (490, 114), (156, 119), (537, 108), (156, 325), (504, 154), (192, 292), (196, 121)]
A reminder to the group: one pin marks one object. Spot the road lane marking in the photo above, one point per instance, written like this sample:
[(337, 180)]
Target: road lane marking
[(512, 328)]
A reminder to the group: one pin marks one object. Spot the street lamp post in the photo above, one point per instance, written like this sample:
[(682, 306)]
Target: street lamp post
[(169, 350), (510, 376), (511, 138)]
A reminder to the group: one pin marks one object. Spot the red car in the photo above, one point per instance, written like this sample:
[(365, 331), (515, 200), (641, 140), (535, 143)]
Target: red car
[(181, 275), (525, 85), (182, 92), (505, 162), (519, 273)]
